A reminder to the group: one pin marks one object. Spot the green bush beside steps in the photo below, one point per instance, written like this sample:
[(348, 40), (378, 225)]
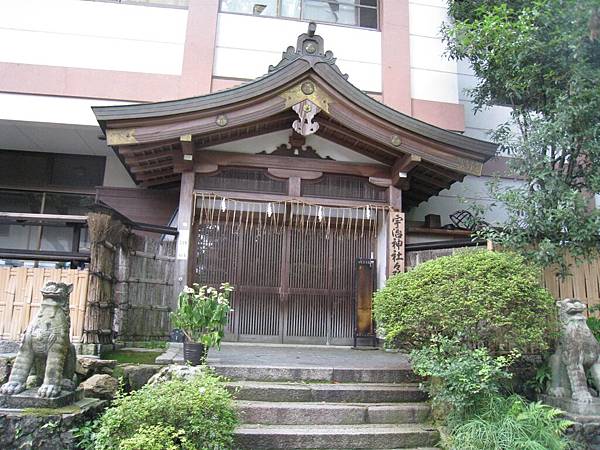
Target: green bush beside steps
[(191, 414), (490, 299)]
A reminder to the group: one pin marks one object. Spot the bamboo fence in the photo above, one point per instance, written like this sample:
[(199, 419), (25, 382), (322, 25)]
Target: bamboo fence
[(20, 298), (127, 292)]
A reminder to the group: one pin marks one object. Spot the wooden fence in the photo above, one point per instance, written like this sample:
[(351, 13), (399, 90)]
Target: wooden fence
[(144, 294), (20, 298), (131, 285), (583, 283)]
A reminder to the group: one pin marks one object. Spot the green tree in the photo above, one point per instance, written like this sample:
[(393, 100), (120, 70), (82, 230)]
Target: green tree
[(541, 58)]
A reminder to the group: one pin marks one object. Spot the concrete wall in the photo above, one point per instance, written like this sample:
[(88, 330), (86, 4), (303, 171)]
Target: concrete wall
[(93, 35), (247, 45), (433, 75)]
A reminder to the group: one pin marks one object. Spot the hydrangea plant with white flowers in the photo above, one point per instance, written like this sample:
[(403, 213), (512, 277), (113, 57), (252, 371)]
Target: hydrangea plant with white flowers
[(203, 313)]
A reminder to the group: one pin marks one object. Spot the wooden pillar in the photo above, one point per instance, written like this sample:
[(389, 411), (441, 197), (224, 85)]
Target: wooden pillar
[(396, 233), (121, 296), (184, 227)]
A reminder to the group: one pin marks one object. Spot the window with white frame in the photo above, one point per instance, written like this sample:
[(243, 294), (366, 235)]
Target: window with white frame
[(359, 13)]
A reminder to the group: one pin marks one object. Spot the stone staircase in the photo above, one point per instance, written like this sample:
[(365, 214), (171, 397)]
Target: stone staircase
[(320, 408)]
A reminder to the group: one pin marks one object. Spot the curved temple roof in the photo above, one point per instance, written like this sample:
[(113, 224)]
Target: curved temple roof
[(149, 138)]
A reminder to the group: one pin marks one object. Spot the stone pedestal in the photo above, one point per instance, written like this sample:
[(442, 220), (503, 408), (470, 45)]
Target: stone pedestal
[(585, 418), (46, 428), (30, 399), (570, 406)]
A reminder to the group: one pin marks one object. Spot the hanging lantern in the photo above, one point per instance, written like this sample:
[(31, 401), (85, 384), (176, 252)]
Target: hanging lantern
[(269, 210), (223, 205)]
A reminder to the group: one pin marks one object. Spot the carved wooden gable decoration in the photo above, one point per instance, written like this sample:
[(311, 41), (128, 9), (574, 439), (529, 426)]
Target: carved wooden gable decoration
[(305, 92)]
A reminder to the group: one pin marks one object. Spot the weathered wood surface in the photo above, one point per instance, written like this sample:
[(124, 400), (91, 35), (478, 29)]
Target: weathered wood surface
[(20, 298), (100, 306), (413, 259), (583, 283), (145, 295)]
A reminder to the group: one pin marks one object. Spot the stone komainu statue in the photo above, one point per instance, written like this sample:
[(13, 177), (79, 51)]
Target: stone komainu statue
[(46, 353), (577, 351)]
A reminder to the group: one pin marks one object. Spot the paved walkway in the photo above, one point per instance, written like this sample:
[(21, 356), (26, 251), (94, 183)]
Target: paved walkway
[(293, 356)]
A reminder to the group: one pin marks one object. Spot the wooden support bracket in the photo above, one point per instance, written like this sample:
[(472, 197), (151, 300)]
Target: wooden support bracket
[(401, 168)]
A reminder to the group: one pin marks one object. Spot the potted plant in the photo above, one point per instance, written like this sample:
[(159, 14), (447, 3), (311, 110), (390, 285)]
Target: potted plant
[(202, 315)]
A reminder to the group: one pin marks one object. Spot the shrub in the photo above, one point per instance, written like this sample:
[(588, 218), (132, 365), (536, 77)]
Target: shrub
[(154, 437), (193, 414), (512, 424), (488, 298), (460, 378)]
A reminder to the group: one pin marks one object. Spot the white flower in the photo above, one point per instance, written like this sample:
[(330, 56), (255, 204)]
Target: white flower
[(188, 290)]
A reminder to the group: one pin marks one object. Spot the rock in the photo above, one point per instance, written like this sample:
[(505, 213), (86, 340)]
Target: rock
[(5, 366), (176, 371), (100, 386), (89, 365), (137, 375)]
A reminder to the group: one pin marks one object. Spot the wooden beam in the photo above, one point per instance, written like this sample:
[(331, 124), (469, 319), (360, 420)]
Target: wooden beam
[(441, 172), (185, 215), (282, 198), (131, 150), (430, 181), (133, 160), (187, 150), (402, 167), (330, 127), (151, 175), (287, 162), (300, 174), (395, 198), (381, 182), (151, 167), (196, 124), (159, 181)]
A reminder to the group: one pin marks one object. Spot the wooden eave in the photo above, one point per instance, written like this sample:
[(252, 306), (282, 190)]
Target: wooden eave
[(147, 137)]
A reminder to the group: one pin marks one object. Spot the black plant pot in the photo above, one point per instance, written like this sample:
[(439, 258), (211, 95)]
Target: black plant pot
[(194, 353)]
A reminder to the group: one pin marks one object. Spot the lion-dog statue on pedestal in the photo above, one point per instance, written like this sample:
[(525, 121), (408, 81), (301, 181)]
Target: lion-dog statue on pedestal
[(46, 353), (577, 352)]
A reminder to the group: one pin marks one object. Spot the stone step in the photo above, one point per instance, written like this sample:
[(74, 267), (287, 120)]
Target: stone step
[(273, 413), (326, 392), (310, 374), (335, 436)]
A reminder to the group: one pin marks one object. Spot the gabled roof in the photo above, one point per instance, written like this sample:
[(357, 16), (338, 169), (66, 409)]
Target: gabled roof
[(148, 137)]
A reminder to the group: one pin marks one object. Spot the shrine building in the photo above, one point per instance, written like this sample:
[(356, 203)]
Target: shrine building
[(289, 183)]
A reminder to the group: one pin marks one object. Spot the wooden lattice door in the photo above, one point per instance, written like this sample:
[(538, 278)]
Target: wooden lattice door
[(292, 284)]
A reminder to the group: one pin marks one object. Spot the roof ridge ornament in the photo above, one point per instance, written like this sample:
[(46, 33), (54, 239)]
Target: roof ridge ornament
[(311, 48)]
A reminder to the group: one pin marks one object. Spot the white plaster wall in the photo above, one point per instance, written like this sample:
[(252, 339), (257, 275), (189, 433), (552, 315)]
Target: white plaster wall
[(433, 76), (93, 35), (460, 196), (247, 45), (271, 141)]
